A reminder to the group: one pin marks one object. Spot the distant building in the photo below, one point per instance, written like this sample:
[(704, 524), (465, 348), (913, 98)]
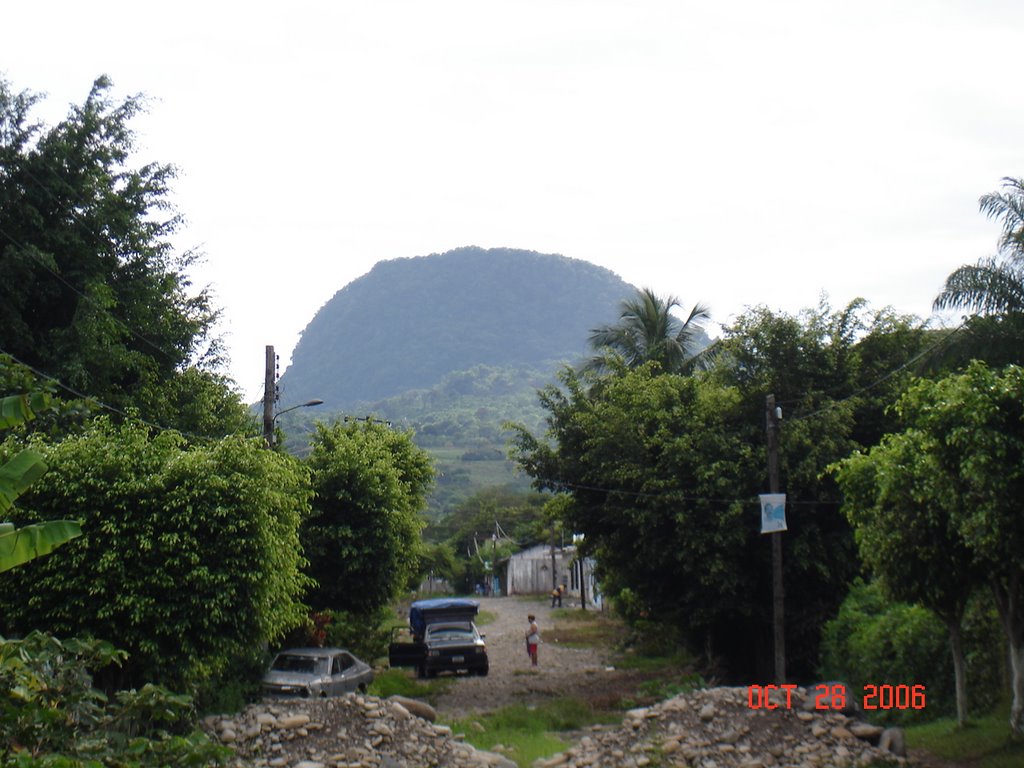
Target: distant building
[(529, 572)]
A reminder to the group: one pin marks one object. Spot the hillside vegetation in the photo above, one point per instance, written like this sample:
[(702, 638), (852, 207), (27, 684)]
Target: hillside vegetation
[(409, 322)]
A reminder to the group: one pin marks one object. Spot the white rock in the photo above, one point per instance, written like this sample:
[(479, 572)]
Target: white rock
[(293, 721)]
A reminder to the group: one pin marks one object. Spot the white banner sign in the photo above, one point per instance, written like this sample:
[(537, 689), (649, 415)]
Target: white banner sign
[(773, 512)]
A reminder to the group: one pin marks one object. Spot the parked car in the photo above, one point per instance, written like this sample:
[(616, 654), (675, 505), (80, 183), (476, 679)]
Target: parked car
[(316, 672), (443, 638)]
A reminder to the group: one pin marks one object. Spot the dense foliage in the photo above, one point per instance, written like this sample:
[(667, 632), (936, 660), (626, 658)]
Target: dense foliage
[(665, 471), (902, 503), (94, 294), (459, 422), (363, 535), (50, 715), (952, 478), (876, 640), (410, 321), (190, 555)]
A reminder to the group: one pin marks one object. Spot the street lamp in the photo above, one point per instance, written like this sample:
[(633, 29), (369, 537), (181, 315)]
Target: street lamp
[(268, 426)]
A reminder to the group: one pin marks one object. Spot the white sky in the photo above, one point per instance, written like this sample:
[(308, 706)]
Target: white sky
[(735, 154)]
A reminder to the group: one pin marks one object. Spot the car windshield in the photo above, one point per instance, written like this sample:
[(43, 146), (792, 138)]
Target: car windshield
[(287, 662), (450, 633)]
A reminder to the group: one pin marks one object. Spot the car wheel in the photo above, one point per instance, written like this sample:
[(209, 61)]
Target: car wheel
[(482, 671), (421, 671), (362, 687)]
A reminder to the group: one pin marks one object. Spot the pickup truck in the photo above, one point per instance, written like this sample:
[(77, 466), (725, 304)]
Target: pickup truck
[(443, 637)]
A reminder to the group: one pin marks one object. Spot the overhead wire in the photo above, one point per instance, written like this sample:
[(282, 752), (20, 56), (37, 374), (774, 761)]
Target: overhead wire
[(944, 340), (72, 209), (748, 500), (105, 406)]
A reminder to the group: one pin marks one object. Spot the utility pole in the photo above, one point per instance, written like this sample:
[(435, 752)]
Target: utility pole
[(554, 574), (269, 396), (772, 416)]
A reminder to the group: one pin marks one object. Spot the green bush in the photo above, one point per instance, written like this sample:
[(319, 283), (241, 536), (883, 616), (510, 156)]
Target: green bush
[(50, 715), (189, 556), (366, 635), (879, 642)]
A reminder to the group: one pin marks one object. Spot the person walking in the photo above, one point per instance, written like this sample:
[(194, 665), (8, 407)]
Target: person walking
[(532, 639)]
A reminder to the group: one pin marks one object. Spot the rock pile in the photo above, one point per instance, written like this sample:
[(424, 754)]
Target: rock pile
[(348, 732), (712, 728), (716, 728)]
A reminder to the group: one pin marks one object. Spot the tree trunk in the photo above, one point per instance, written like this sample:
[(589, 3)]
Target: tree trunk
[(1017, 679), (959, 672), (1008, 602)]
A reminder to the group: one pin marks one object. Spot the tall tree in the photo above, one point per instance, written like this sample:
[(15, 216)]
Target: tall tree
[(94, 293), (975, 421), (995, 285), (901, 501), (363, 536), (647, 331)]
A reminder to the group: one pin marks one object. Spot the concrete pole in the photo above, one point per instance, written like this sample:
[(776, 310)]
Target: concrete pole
[(778, 593)]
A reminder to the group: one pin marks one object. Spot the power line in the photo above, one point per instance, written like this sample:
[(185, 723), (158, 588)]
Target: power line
[(72, 210), (890, 374), (32, 251), (674, 496), (104, 406)]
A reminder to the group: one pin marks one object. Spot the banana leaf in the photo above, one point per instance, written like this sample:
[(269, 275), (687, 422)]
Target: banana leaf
[(17, 409), (20, 545), (17, 475)]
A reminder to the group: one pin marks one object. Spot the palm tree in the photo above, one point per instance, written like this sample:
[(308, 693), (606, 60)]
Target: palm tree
[(647, 331), (995, 285)]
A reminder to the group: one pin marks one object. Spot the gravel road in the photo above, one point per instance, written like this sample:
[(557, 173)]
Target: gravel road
[(575, 672)]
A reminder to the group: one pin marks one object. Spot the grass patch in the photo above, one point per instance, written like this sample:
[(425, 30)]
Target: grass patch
[(400, 682), (678, 660), (984, 742), (483, 618), (661, 688), (584, 629), (525, 733)]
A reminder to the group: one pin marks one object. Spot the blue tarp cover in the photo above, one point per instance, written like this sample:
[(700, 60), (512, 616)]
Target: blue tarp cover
[(440, 608)]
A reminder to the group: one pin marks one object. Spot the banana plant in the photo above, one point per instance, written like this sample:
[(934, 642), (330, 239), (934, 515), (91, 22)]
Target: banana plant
[(20, 545)]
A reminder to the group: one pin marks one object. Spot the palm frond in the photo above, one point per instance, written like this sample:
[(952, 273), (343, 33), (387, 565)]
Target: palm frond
[(647, 331), (991, 286), (1008, 206)]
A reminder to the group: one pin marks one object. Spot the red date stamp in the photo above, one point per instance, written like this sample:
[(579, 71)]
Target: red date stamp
[(835, 697)]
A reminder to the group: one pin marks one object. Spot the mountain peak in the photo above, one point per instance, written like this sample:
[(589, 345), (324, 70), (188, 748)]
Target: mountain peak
[(410, 321)]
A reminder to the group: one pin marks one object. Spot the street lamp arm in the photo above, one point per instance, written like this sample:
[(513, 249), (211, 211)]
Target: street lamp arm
[(307, 404), (270, 420)]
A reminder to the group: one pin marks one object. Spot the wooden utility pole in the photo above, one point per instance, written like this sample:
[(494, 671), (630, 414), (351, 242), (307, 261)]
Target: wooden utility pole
[(772, 415), (269, 396)]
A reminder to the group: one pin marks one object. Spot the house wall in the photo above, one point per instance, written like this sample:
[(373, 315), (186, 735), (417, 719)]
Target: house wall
[(529, 572)]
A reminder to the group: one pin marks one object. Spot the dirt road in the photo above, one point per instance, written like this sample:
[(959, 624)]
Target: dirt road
[(576, 672)]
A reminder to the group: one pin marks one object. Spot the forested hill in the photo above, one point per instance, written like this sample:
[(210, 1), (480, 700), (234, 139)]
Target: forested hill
[(410, 321)]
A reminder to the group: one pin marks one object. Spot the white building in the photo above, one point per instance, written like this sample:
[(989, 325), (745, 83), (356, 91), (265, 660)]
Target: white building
[(535, 571)]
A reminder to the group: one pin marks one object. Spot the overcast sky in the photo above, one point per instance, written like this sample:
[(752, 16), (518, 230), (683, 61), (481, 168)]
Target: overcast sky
[(734, 153)]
